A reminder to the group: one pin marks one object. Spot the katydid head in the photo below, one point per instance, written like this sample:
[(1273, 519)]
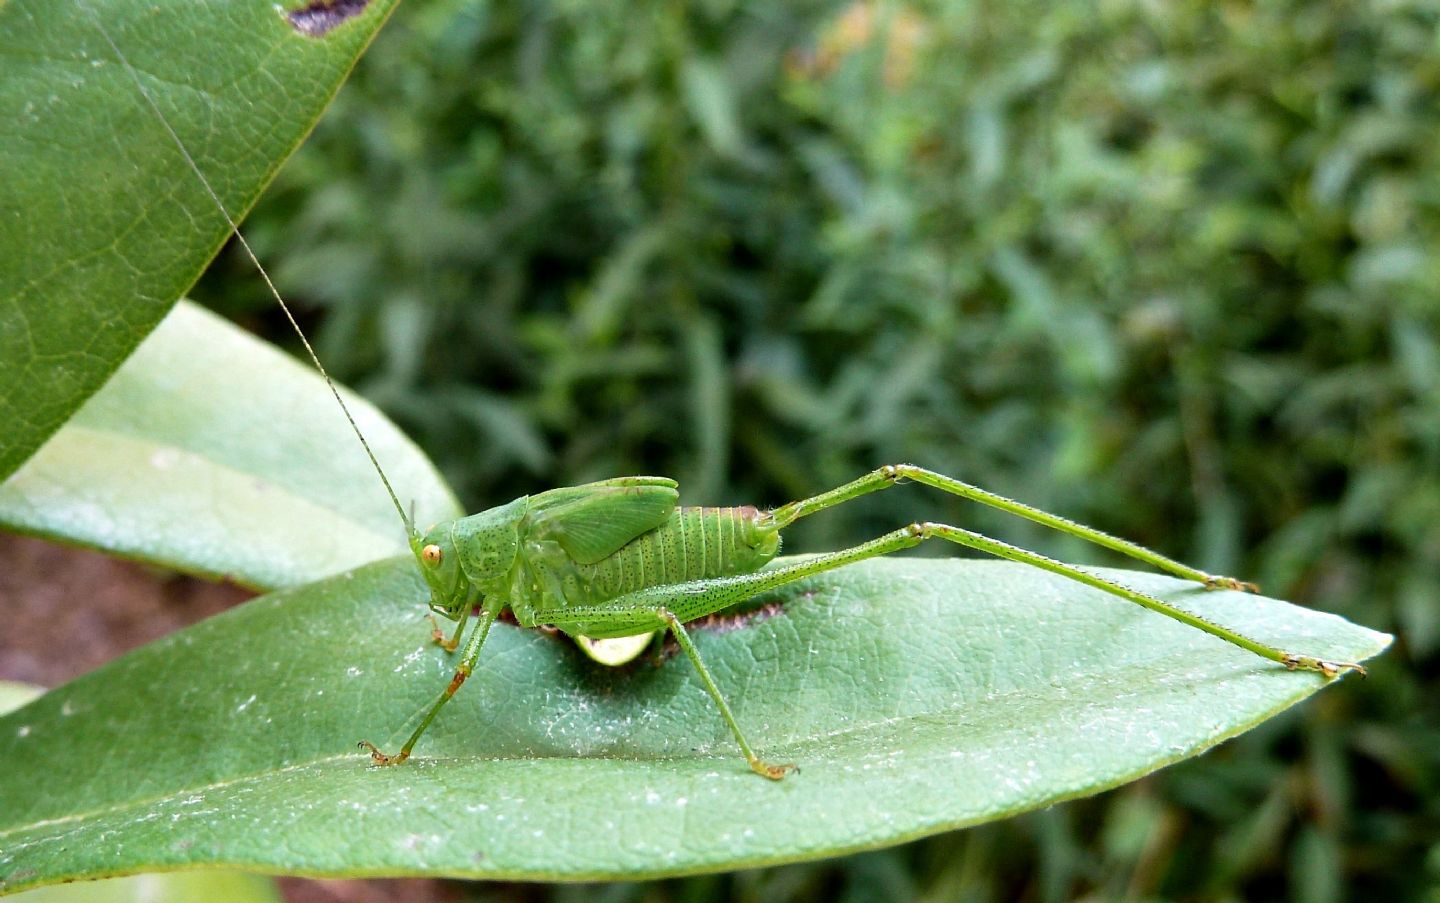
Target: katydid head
[(440, 565), (473, 553)]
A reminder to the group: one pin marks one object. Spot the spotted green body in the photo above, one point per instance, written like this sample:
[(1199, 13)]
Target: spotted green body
[(571, 549)]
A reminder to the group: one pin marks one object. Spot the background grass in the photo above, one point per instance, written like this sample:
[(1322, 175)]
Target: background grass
[(1168, 269)]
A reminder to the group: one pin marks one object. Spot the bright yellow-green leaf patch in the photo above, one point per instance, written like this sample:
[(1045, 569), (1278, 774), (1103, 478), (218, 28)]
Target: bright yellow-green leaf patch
[(234, 461)]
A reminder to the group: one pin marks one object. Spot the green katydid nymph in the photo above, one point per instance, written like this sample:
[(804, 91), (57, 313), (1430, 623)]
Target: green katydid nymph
[(622, 558)]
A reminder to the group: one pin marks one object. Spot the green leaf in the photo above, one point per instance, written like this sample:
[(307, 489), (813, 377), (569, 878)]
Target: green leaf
[(176, 887), (916, 695), (233, 462), (102, 225)]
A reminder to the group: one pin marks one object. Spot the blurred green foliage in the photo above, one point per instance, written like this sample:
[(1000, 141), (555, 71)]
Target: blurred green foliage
[(1169, 269)]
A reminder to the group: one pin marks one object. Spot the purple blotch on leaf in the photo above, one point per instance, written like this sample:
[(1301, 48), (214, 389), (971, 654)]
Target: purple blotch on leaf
[(318, 17)]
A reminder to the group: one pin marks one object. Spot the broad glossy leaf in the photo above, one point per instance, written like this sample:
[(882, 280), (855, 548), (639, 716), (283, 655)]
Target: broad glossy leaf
[(172, 887), (213, 453), (102, 225), (916, 695)]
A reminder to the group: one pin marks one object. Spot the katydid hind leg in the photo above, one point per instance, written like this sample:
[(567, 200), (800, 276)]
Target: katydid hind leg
[(701, 597), (895, 474), (1291, 660), (668, 606)]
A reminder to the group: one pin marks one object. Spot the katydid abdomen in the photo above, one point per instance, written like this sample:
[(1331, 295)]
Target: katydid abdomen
[(693, 543)]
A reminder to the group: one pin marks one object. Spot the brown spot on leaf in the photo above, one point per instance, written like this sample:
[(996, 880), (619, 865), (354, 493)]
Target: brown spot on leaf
[(319, 17), (722, 622), (733, 619)]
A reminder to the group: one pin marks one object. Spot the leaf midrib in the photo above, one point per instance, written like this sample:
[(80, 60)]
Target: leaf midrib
[(989, 702)]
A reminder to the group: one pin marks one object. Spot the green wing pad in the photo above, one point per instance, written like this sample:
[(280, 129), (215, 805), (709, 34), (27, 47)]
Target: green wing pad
[(593, 521)]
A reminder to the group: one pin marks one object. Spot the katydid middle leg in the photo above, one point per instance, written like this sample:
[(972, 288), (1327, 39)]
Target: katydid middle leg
[(669, 605)]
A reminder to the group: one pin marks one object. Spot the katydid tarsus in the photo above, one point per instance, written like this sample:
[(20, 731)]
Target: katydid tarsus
[(621, 557)]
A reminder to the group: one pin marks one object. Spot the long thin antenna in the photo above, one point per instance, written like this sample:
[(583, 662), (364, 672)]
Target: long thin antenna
[(235, 230)]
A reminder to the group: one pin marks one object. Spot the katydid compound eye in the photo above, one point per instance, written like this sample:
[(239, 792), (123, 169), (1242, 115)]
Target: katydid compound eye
[(431, 554)]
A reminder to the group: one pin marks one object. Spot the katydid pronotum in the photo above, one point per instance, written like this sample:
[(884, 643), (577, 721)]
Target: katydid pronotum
[(620, 557)]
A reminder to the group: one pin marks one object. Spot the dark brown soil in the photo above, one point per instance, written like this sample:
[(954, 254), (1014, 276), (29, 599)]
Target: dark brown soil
[(68, 611)]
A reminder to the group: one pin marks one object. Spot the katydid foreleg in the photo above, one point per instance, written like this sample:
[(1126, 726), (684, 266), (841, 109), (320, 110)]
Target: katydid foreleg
[(462, 673)]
